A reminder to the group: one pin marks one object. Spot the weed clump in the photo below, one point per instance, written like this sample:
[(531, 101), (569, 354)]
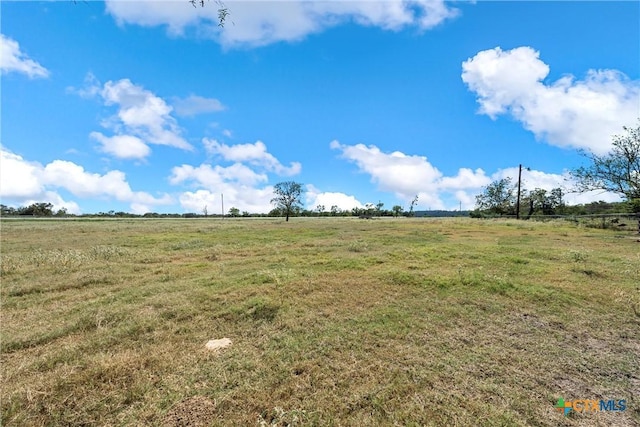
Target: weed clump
[(358, 246)]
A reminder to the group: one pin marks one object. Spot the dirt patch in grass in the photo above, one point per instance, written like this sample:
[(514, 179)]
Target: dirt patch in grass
[(197, 411)]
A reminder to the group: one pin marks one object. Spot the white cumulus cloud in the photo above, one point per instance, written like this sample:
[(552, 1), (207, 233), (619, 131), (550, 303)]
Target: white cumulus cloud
[(12, 59), (568, 113), (141, 118), (253, 200), (22, 181), (19, 179), (244, 182), (404, 175), (408, 175), (242, 188), (256, 23), (80, 183), (143, 114), (122, 146), (344, 202), (196, 201), (465, 178), (214, 176), (172, 14)]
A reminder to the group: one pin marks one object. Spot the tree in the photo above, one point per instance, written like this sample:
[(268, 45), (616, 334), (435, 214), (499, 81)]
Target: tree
[(397, 210), (37, 209), (498, 198), (287, 197), (275, 212), (223, 11), (7, 210), (617, 171), (62, 212), (234, 212), (414, 202), (369, 208), (546, 203)]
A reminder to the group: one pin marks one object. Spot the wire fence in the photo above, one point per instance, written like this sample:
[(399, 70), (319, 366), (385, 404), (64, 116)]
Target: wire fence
[(611, 221)]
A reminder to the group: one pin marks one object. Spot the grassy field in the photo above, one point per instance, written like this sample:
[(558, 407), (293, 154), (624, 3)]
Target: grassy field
[(440, 322)]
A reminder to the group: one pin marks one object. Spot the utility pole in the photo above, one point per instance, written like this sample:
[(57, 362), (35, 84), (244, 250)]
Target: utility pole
[(222, 200), (518, 196)]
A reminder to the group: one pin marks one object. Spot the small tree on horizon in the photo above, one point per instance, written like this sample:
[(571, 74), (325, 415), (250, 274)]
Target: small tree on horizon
[(287, 198), (414, 202)]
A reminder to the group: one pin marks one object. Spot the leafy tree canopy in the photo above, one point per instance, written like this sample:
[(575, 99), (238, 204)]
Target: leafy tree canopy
[(288, 197)]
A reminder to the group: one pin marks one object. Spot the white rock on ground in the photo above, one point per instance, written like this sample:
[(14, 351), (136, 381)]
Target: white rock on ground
[(215, 345)]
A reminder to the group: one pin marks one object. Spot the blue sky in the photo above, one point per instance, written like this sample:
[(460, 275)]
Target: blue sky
[(149, 106)]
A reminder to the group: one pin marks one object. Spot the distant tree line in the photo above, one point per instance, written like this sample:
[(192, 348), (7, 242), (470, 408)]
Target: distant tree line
[(499, 199), (335, 211), (34, 209), (46, 210)]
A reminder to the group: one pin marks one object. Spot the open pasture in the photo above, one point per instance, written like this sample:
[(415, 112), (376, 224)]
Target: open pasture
[(442, 322)]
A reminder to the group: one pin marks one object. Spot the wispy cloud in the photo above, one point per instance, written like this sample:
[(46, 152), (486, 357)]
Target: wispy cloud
[(194, 105), (255, 154), (13, 60)]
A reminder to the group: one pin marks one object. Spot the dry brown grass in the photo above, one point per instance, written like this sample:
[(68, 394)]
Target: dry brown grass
[(333, 322)]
